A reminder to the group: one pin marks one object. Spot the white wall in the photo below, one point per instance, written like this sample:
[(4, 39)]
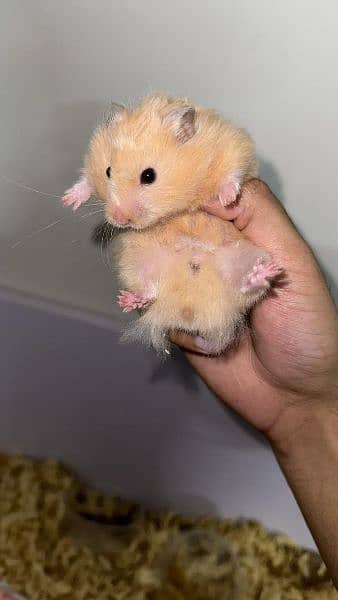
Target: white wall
[(271, 66)]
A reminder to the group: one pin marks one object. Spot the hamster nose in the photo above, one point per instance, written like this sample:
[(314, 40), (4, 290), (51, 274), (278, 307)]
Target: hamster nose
[(121, 217)]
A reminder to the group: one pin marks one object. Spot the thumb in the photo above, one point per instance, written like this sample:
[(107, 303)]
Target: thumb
[(263, 220)]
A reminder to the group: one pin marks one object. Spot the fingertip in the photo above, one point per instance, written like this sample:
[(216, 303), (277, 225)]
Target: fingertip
[(189, 343), (261, 217), (227, 213), (252, 192)]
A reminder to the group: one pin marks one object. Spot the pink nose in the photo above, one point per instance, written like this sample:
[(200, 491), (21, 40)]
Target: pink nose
[(122, 218)]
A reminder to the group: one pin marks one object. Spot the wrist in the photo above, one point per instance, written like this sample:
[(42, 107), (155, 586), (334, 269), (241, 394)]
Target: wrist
[(308, 457), (305, 429)]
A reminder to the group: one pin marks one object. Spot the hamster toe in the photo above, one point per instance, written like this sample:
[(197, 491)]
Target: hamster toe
[(77, 195), (261, 275), (228, 191), (130, 301)]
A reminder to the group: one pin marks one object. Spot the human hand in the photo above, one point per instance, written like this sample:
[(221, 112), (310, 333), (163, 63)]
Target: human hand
[(287, 367)]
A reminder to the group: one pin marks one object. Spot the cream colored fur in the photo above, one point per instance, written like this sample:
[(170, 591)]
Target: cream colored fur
[(206, 301), (188, 174)]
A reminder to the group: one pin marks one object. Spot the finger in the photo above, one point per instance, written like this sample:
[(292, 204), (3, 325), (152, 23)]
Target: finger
[(190, 343), (261, 217)]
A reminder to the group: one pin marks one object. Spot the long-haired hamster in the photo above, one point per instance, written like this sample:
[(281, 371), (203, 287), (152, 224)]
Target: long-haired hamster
[(155, 167)]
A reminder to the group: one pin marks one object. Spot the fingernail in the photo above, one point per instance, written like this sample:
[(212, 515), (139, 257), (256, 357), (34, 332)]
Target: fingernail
[(202, 344)]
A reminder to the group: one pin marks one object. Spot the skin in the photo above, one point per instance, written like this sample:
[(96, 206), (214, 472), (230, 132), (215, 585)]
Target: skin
[(283, 376)]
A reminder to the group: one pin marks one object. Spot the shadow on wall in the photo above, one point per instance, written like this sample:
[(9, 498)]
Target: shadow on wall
[(332, 284), (176, 367), (330, 256), (269, 174)]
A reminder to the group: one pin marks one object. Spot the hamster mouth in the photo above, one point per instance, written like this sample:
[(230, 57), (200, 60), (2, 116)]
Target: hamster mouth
[(140, 222), (128, 223), (117, 225)]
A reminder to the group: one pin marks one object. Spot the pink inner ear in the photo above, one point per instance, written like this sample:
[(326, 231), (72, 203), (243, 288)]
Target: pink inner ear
[(78, 194), (228, 191)]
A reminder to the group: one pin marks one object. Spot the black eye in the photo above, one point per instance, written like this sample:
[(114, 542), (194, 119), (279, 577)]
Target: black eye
[(108, 171), (148, 176)]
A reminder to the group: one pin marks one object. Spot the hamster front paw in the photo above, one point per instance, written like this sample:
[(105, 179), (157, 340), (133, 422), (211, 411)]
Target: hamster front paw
[(130, 301), (260, 276), (229, 191), (78, 194)]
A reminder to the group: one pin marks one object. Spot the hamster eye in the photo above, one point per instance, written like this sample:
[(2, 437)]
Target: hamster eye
[(148, 176), (108, 171)]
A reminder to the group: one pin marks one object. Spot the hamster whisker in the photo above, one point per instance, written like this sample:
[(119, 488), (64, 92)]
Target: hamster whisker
[(27, 187), (102, 235), (94, 212), (31, 235), (106, 255)]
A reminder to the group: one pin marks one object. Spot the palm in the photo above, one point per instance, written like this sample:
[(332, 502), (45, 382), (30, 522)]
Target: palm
[(292, 343)]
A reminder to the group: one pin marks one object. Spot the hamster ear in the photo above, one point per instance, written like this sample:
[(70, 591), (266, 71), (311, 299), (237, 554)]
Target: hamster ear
[(113, 113), (181, 121)]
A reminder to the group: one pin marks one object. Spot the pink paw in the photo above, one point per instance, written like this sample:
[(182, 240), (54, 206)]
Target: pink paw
[(228, 191), (129, 301), (260, 275), (78, 194)]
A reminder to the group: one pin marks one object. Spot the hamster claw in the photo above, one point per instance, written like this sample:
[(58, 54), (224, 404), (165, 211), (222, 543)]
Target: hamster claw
[(260, 275)]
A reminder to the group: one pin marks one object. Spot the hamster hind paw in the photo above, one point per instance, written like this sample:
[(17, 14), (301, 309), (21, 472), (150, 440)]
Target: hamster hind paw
[(130, 301), (260, 276)]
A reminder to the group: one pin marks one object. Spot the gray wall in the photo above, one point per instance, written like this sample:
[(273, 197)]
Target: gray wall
[(129, 424), (271, 66)]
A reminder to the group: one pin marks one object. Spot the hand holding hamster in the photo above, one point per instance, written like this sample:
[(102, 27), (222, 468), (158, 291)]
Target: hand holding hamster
[(155, 167)]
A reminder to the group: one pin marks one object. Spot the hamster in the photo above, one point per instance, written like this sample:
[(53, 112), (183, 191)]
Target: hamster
[(155, 167)]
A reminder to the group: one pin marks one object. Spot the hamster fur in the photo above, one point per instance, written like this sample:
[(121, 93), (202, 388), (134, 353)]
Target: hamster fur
[(194, 273), (196, 155), (154, 167)]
